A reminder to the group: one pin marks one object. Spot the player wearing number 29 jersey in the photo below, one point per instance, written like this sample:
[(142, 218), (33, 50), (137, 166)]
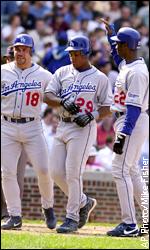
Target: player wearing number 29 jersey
[(79, 87), (82, 94)]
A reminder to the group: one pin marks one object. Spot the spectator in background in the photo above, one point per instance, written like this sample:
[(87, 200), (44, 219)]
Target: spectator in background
[(39, 9), (95, 43), (105, 48), (84, 26), (105, 130), (114, 13), (57, 56), (9, 56), (61, 7), (104, 155), (126, 24), (95, 56), (125, 16), (38, 34), (75, 13), (8, 7), (143, 12), (27, 19), (132, 5), (136, 21), (75, 29), (58, 24), (91, 163), (144, 32), (95, 23), (106, 67), (88, 10), (11, 30), (50, 122), (47, 119), (100, 32), (144, 49)]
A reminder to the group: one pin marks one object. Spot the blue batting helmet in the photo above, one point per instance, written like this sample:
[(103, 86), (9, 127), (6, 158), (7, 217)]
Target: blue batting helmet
[(129, 36), (24, 39), (79, 43)]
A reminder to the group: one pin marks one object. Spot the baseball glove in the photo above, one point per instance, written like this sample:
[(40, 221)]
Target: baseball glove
[(71, 107), (83, 120)]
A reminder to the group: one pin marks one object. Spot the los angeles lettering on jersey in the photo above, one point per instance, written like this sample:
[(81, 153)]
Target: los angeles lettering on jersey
[(7, 89), (78, 88)]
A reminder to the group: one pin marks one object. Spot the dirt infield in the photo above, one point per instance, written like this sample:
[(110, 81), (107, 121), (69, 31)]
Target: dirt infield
[(42, 229)]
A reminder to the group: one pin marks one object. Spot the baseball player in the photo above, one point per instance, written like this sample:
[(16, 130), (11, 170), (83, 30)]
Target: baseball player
[(82, 94), (23, 85), (130, 104), (9, 57)]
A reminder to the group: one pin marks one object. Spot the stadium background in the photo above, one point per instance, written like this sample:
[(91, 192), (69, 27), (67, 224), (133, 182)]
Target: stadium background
[(51, 24)]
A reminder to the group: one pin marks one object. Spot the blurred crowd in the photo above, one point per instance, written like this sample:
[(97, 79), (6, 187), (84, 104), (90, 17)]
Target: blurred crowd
[(51, 24)]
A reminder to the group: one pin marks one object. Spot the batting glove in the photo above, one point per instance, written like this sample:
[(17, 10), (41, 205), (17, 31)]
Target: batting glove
[(83, 120), (71, 107), (119, 143)]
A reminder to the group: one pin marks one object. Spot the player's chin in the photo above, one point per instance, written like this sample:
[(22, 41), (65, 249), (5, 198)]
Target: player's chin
[(75, 64), (21, 61)]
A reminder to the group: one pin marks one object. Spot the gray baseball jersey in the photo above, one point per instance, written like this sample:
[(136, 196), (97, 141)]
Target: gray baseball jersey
[(22, 90), (131, 87)]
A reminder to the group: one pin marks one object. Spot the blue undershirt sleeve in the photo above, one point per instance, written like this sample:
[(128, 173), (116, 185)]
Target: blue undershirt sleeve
[(131, 117)]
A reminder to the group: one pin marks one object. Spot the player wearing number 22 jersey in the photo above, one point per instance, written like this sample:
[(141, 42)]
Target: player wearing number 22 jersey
[(131, 127)]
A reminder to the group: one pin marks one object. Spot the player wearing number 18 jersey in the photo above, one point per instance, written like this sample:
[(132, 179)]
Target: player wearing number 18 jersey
[(22, 87)]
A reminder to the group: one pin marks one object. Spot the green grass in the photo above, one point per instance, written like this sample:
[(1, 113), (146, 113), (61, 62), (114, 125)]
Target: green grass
[(52, 240), (59, 222)]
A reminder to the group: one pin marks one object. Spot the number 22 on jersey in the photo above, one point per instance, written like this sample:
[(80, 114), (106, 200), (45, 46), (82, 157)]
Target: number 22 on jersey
[(120, 98)]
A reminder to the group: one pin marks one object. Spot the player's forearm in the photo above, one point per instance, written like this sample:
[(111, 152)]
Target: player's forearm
[(132, 115), (104, 112), (51, 100)]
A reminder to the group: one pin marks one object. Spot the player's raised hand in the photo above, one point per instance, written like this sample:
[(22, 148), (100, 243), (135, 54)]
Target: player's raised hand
[(109, 27), (71, 107), (83, 120)]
